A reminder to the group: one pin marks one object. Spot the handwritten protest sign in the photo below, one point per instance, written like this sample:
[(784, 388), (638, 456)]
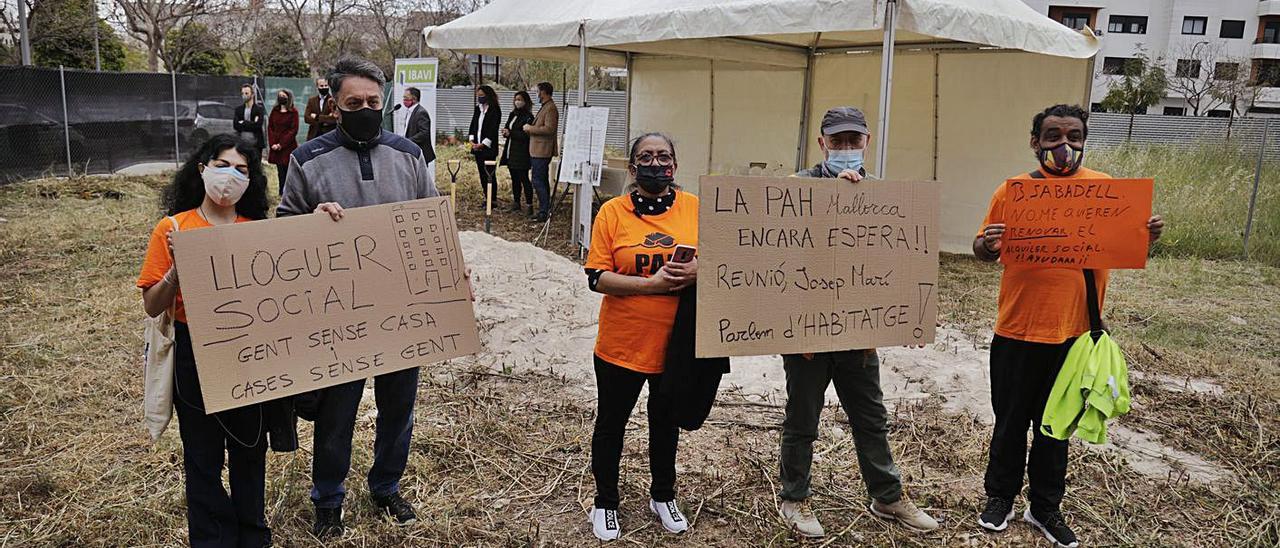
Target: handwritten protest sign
[(1077, 223), (793, 265), (290, 305)]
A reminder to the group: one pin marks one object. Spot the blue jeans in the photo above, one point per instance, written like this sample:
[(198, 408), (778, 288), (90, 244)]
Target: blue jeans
[(541, 167), (394, 395)]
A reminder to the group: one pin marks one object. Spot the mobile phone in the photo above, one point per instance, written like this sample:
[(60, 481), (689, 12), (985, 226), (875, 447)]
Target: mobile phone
[(683, 253)]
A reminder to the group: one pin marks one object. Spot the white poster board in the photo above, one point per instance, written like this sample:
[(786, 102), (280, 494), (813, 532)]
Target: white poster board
[(584, 136), (419, 73)]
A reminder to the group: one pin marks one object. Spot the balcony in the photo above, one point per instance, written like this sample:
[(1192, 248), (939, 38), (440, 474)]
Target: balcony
[(1268, 7), (1266, 51)]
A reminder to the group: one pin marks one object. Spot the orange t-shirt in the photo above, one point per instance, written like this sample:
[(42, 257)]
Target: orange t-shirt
[(157, 262), (634, 329), (1038, 304)]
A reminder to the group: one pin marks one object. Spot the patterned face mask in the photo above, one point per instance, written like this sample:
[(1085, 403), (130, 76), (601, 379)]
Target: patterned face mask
[(1063, 159)]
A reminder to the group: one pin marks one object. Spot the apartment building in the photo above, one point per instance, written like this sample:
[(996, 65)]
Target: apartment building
[(1202, 45)]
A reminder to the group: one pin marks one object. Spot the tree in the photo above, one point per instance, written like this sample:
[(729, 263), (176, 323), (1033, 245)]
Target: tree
[(1195, 77), (150, 21), (276, 52), (1242, 92), (1142, 84), (62, 33), (315, 22), (194, 49)]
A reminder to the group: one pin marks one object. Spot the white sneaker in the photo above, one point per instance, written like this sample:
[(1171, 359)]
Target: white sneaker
[(604, 523), (669, 514)]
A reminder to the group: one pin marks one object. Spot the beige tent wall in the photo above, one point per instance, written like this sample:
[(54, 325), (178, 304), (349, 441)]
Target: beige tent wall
[(986, 101), (757, 116), (673, 95), (853, 79), (979, 103)]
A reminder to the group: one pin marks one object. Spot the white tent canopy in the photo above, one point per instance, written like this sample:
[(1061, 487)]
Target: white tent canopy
[(741, 82), (691, 25)]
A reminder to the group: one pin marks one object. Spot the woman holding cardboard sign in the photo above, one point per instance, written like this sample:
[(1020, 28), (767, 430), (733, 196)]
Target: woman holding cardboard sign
[(641, 254), (222, 183)]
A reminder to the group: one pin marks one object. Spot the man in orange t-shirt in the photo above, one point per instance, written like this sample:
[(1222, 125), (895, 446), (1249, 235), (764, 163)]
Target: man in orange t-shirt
[(1041, 311)]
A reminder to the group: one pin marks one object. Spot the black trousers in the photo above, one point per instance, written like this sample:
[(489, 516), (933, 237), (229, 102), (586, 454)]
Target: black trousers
[(282, 170), (617, 390), (520, 184), (488, 177), (1022, 375), (215, 519)]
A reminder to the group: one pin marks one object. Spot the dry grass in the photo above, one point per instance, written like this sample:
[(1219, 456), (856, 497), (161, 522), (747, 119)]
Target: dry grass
[(502, 458)]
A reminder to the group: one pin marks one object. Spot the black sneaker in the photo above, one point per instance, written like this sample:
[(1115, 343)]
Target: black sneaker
[(328, 523), (997, 514), (515, 208), (1054, 528), (541, 217), (395, 506)]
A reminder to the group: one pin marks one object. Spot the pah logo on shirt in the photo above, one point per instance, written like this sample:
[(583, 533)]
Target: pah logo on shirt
[(648, 264)]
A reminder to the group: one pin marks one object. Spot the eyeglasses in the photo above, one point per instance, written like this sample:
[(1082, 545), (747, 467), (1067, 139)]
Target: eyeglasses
[(663, 159)]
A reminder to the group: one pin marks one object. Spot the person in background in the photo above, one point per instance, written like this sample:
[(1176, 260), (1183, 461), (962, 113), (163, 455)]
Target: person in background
[(516, 154), (248, 119), (282, 134), (542, 146), (357, 165), (632, 241), (855, 373), (483, 136), (321, 116), (417, 126), (1040, 313), (221, 183)]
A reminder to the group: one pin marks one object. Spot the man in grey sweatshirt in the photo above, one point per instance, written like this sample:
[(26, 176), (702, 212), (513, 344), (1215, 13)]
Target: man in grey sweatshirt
[(358, 164)]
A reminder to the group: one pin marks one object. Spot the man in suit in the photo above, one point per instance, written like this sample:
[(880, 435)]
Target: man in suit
[(542, 146), (320, 115), (248, 119), (418, 126)]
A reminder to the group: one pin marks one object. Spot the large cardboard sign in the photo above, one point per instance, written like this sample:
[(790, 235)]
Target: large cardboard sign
[(289, 305), (791, 265), (1077, 223)]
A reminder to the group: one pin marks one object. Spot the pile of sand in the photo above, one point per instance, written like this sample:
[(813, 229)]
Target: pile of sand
[(535, 311)]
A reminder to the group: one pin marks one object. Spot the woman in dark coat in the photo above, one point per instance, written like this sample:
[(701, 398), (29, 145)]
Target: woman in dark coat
[(282, 133), (516, 154), (483, 135)]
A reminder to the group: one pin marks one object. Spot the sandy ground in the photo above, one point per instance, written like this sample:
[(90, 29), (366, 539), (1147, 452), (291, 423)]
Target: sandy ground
[(535, 311)]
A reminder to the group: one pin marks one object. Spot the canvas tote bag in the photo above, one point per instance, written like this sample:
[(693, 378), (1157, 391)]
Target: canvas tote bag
[(157, 360)]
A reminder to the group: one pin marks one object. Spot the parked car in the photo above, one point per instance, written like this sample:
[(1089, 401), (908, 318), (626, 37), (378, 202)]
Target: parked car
[(33, 143)]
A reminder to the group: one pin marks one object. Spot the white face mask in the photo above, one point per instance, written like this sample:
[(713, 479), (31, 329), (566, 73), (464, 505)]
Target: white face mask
[(224, 185)]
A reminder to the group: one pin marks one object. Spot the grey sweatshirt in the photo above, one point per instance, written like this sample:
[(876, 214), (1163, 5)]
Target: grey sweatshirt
[(335, 168)]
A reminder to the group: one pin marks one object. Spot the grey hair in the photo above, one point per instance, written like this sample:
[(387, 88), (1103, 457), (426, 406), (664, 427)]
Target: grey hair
[(635, 145), (354, 66)]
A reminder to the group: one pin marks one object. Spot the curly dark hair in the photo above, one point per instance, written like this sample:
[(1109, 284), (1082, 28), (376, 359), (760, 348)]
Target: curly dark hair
[(187, 190), (1062, 111)]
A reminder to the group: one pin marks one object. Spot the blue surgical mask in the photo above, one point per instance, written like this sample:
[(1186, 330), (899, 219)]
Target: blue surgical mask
[(229, 171), (840, 160)]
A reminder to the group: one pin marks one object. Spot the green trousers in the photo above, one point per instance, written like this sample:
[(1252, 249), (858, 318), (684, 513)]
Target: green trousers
[(856, 374)]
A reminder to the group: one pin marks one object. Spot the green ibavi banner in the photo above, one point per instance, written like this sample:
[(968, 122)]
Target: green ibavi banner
[(411, 72), (418, 73)]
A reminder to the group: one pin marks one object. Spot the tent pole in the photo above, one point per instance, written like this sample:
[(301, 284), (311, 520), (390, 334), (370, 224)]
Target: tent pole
[(805, 108), (630, 80), (886, 84), (583, 190)]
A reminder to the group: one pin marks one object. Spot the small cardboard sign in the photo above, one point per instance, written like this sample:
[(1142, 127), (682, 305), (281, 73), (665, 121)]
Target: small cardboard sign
[(790, 265), (1077, 223), (285, 306)]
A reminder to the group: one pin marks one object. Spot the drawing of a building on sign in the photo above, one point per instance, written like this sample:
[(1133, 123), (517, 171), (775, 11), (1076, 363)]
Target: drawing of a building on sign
[(425, 239)]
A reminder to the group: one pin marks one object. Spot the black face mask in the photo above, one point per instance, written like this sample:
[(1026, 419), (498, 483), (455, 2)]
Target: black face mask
[(324, 92), (655, 179), (282, 101), (361, 125)]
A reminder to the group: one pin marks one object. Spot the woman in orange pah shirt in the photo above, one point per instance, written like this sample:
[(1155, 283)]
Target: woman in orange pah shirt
[(632, 241), (222, 183)]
